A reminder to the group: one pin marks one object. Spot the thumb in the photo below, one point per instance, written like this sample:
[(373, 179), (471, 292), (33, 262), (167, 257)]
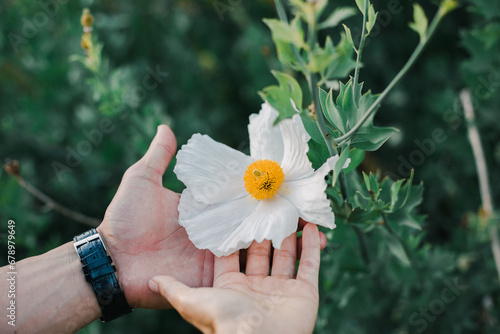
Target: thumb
[(161, 150), (187, 301), (171, 289)]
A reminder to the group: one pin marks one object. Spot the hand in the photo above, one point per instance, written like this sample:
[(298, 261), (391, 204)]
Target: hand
[(142, 233), (255, 302)]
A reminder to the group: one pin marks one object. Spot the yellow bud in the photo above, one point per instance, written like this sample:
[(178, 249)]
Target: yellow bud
[(87, 19), (447, 6)]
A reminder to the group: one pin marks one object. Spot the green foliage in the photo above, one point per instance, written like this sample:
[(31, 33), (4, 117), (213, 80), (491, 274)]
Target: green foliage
[(280, 96), (386, 260), (349, 109), (336, 17), (420, 23)]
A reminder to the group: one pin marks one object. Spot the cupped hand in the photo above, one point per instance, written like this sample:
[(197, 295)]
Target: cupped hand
[(254, 302), (142, 233)]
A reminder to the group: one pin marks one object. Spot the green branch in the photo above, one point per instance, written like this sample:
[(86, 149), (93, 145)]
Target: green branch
[(418, 50), (360, 51)]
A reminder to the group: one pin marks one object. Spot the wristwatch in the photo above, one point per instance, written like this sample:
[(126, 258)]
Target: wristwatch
[(100, 273)]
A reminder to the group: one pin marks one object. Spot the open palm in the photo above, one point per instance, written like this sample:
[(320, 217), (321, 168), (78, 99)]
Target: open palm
[(142, 233), (254, 302)]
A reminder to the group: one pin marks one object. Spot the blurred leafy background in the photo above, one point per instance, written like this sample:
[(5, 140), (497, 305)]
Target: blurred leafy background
[(218, 54)]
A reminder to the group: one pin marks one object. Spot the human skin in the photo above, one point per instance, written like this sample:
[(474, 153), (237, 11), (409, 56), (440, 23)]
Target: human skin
[(143, 238), (254, 302), (142, 235)]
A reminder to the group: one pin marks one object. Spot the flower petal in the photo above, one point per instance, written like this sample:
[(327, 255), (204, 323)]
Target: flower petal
[(273, 219), (295, 163), (211, 170), (308, 195), (265, 138), (210, 225)]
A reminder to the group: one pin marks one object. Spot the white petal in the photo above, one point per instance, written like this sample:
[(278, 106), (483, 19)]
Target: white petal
[(295, 163), (308, 195), (265, 138), (210, 225), (211, 170), (273, 219)]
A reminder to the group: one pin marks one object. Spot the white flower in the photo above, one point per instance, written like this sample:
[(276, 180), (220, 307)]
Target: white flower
[(232, 199)]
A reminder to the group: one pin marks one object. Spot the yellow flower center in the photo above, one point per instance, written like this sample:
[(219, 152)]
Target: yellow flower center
[(263, 179)]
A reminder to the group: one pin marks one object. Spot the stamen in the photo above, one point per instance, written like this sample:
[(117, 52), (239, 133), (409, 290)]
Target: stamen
[(263, 179)]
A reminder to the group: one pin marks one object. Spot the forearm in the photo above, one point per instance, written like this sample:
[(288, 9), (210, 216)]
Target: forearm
[(51, 294)]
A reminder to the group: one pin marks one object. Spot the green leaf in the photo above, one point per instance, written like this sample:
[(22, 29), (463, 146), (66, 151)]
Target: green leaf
[(372, 19), (285, 52), (340, 164), (366, 178), (357, 156), (405, 193), (279, 96), (370, 138), (330, 110), (306, 9), (409, 198), (420, 23), (395, 187), (367, 217), (320, 58), (349, 37), (343, 64), (291, 33), (312, 127), (317, 154), (374, 185), (337, 16), (394, 246), (361, 6)]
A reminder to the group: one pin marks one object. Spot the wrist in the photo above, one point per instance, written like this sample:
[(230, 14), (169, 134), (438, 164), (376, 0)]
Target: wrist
[(113, 252), (88, 304), (100, 273)]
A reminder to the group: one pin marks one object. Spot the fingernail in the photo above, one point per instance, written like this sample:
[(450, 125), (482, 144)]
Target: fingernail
[(153, 286)]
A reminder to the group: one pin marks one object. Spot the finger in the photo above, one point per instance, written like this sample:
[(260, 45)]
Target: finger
[(170, 288), (322, 242), (226, 264), (258, 258), (302, 223), (161, 150), (190, 303), (285, 257), (310, 259)]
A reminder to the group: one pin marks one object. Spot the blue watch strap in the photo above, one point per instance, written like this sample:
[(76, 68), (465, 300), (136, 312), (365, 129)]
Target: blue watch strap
[(100, 273)]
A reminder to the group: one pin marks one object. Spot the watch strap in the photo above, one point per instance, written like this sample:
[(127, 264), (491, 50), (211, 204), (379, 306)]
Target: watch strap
[(100, 273)]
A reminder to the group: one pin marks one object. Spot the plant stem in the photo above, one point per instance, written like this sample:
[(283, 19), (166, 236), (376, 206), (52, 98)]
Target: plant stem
[(360, 51), (76, 216), (312, 82), (482, 173), (281, 10), (416, 53), (362, 245)]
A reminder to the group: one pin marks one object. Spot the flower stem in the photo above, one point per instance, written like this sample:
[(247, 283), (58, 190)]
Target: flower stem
[(482, 173), (416, 53), (360, 51)]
